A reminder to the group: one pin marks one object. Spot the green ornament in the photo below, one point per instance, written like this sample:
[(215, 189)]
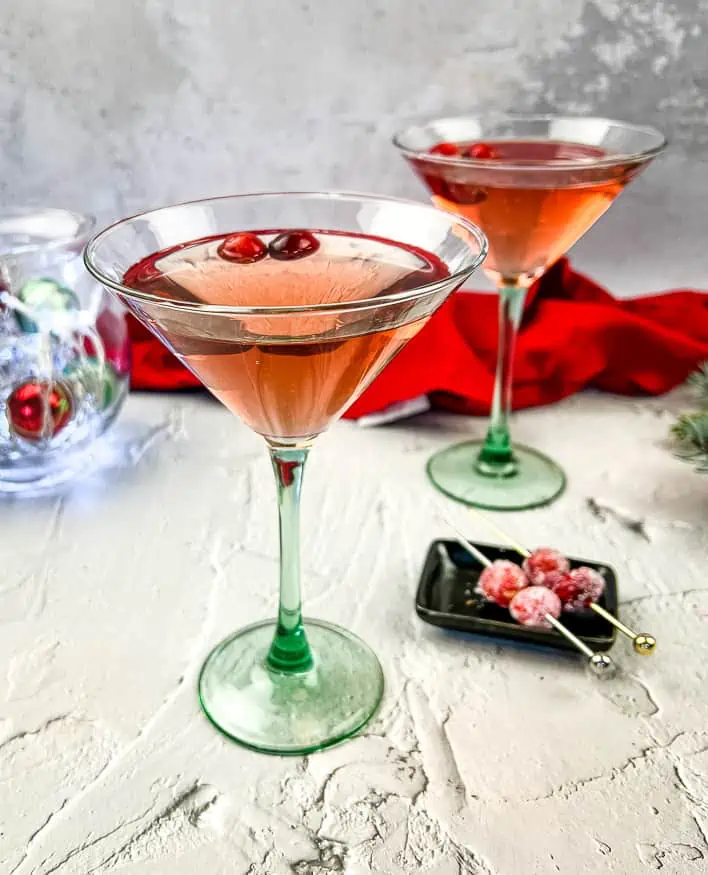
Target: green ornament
[(105, 386), (44, 295)]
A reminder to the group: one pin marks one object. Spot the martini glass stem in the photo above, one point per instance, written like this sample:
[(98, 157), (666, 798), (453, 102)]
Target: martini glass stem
[(290, 652), (496, 458)]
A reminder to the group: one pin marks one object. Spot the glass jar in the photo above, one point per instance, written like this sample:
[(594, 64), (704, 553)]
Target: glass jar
[(64, 350)]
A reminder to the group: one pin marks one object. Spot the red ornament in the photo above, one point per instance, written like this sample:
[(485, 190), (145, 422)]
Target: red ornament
[(292, 245), (27, 409), (479, 151), (243, 248), (447, 149)]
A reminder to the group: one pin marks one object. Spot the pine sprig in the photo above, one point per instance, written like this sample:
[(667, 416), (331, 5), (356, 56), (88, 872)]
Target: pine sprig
[(691, 429), (698, 381)]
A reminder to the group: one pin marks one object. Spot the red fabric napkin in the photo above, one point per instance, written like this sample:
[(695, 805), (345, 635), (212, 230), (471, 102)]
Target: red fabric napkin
[(574, 334)]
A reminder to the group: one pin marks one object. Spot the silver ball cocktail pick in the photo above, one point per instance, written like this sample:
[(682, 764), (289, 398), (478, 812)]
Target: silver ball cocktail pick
[(643, 643), (599, 664)]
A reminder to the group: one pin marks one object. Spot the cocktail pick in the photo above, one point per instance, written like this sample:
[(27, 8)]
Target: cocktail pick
[(599, 663), (643, 643)]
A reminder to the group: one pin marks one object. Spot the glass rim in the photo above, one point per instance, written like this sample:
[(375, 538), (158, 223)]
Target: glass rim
[(85, 223), (343, 306), (536, 166)]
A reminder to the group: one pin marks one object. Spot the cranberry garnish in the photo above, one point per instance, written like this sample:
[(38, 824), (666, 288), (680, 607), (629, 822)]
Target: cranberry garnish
[(292, 245), (448, 149), (143, 273), (242, 248), (479, 151)]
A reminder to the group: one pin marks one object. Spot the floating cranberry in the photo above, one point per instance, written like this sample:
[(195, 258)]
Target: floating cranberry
[(292, 245), (447, 149), (243, 248), (467, 195), (531, 605), (27, 409), (501, 581), (542, 562), (142, 273), (479, 151)]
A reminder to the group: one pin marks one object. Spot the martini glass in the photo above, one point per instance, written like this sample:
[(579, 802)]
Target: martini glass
[(534, 184), (286, 306)]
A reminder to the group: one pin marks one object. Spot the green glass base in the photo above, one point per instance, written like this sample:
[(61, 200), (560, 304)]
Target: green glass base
[(291, 713), (533, 481)]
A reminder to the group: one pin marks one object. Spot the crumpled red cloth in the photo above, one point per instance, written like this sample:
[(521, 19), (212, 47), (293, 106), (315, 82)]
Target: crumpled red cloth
[(574, 334)]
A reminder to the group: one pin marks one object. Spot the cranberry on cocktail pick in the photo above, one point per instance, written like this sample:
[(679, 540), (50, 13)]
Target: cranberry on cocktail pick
[(553, 569), (292, 245), (539, 608), (577, 589), (543, 561), (501, 580), (242, 248), (535, 606)]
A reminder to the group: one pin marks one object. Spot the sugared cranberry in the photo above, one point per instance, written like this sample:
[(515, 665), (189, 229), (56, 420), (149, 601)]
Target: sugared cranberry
[(479, 151), (543, 561), (292, 245), (242, 248), (501, 581), (530, 606), (447, 149), (579, 588)]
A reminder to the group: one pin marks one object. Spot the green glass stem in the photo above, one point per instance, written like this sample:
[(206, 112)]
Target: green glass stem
[(496, 458), (290, 652)]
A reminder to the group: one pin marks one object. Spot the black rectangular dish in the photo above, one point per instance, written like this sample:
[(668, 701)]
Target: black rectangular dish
[(447, 597)]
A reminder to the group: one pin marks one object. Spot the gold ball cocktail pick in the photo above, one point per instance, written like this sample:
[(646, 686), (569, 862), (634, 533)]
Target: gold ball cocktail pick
[(643, 643), (600, 664)]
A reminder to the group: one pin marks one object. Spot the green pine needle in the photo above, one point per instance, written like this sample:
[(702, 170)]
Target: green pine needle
[(691, 429), (698, 381)]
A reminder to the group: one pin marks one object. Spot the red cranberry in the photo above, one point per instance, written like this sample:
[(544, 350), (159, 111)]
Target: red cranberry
[(292, 245), (501, 581), (531, 605), (542, 561), (26, 409), (467, 195), (242, 248), (479, 151), (448, 149), (143, 273)]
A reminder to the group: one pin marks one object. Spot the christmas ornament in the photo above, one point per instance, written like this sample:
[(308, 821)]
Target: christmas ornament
[(101, 381), (36, 410), (44, 295)]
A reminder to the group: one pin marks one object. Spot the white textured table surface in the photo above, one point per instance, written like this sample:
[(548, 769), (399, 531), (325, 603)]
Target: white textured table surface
[(482, 760)]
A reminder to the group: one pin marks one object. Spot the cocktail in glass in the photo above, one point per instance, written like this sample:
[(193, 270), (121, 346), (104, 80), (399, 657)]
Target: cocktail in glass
[(534, 184), (286, 306)]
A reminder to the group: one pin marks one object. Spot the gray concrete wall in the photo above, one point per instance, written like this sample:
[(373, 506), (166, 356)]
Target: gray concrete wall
[(116, 105)]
